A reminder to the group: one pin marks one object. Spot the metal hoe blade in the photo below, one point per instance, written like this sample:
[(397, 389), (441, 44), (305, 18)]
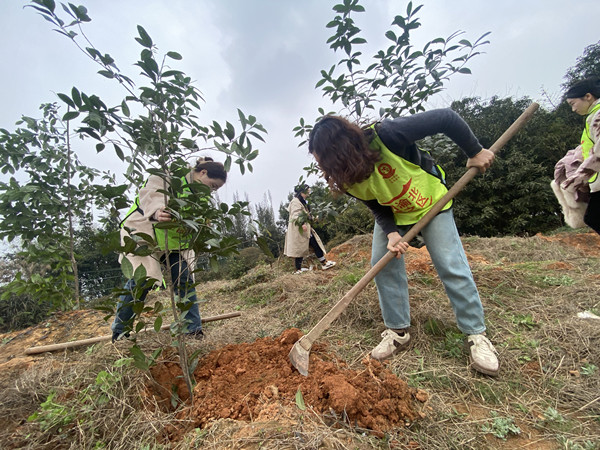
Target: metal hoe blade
[(299, 356)]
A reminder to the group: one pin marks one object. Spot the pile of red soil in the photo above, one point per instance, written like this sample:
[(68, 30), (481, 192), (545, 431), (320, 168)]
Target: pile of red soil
[(244, 382), (587, 243)]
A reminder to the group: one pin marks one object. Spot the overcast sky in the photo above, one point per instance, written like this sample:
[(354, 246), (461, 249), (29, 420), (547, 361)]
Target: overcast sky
[(265, 56)]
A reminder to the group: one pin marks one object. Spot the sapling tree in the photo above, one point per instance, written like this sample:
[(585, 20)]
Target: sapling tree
[(399, 79), (49, 192), (396, 80), (155, 130)]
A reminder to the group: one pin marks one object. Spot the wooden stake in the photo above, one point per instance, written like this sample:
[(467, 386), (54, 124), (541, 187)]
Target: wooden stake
[(94, 340)]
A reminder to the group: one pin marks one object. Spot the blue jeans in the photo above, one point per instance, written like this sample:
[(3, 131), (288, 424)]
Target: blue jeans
[(184, 288), (450, 262)]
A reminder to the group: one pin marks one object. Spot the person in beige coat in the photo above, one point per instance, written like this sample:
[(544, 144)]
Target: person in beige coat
[(149, 209), (300, 236)]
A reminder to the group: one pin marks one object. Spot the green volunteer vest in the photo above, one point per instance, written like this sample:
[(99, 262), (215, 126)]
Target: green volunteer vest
[(174, 238), (586, 140), (404, 186)]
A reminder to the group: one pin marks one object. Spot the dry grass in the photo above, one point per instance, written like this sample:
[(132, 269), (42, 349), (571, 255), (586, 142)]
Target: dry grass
[(95, 401), (532, 289)]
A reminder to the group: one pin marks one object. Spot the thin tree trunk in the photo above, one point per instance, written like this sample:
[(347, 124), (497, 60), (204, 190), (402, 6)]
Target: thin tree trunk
[(70, 216), (181, 349)]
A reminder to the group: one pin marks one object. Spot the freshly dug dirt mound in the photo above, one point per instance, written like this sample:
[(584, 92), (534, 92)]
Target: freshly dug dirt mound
[(247, 381), (587, 243)]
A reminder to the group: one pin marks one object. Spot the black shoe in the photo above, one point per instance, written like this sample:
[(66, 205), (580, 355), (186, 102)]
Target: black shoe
[(118, 336), (417, 242), (198, 335)]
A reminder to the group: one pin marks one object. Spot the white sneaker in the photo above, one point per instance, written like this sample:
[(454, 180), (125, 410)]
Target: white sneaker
[(328, 265), (298, 272), (482, 355), (392, 343)]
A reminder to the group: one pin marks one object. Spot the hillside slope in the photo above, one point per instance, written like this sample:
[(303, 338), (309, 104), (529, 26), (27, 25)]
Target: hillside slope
[(534, 290)]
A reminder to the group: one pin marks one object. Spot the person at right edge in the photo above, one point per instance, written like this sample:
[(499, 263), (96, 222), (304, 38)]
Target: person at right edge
[(382, 166), (584, 99)]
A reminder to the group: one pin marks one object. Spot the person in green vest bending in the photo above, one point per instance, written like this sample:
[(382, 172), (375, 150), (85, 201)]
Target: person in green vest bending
[(584, 99), (147, 210), (382, 166)]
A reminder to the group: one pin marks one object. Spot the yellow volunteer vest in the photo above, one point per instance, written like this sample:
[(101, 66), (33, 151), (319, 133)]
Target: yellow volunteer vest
[(586, 140), (404, 186), (175, 239)]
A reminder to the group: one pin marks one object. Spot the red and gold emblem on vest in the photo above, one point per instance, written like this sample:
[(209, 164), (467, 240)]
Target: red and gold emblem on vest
[(386, 170), (414, 200)]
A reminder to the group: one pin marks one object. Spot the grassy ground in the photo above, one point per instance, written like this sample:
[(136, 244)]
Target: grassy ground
[(547, 395)]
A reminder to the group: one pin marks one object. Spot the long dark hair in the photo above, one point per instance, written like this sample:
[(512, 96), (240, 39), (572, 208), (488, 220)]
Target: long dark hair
[(342, 151), (214, 170), (580, 88), (298, 194)]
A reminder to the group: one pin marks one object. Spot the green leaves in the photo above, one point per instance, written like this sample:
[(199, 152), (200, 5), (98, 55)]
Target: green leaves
[(77, 12), (228, 141), (70, 115), (300, 400), (140, 360), (49, 174), (76, 96), (401, 78), (144, 38), (348, 6), (174, 55), (66, 99), (127, 269), (49, 4), (106, 73)]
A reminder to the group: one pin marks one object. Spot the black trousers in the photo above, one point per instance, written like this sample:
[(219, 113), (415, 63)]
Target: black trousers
[(318, 252), (592, 213)]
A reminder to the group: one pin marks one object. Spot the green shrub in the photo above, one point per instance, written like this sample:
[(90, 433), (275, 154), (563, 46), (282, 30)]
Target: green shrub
[(248, 258), (21, 311)]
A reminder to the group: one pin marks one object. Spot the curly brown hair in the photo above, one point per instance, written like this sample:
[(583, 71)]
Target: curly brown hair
[(342, 151)]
